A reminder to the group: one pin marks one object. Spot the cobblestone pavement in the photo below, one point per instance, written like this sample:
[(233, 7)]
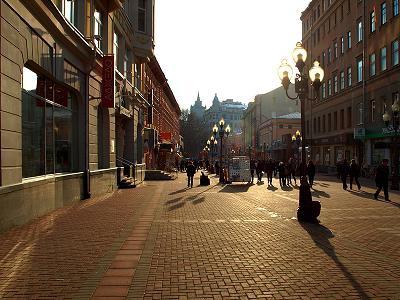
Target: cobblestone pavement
[(164, 241)]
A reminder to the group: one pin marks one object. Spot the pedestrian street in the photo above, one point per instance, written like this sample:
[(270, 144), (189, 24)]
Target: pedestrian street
[(163, 240)]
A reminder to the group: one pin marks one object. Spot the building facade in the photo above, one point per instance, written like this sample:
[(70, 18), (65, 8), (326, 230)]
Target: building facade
[(263, 108), (229, 110), (73, 103), (357, 44)]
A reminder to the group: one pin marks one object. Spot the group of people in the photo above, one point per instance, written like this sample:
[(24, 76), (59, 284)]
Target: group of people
[(352, 170), (287, 171)]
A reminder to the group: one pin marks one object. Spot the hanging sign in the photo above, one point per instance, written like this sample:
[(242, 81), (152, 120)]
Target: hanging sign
[(108, 82)]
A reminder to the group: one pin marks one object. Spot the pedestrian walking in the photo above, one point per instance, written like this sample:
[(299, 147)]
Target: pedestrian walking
[(252, 168), (382, 179), (190, 171), (354, 174), (344, 172), (311, 172), (269, 168), (293, 169), (281, 172), (259, 170), (287, 174)]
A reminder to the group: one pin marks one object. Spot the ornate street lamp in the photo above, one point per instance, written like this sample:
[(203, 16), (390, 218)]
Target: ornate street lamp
[(302, 80), (222, 132), (297, 139), (395, 127)]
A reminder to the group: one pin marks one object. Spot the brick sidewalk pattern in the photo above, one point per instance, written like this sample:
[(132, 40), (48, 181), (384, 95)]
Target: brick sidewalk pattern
[(164, 241)]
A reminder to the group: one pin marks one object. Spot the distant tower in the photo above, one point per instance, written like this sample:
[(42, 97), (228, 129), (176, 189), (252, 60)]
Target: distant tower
[(198, 109)]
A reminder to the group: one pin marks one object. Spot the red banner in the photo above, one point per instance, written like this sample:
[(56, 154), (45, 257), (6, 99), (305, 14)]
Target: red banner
[(108, 84), (166, 136)]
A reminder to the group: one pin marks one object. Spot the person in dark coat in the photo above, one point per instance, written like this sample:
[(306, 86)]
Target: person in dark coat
[(190, 171), (259, 170), (282, 174), (311, 172), (354, 174), (308, 210), (269, 168), (292, 170), (217, 168), (382, 179), (344, 172), (252, 168)]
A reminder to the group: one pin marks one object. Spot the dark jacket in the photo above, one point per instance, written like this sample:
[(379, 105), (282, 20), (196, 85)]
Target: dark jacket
[(311, 170), (382, 174), (354, 170), (190, 170)]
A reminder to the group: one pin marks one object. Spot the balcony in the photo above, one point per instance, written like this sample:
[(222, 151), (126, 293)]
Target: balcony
[(113, 5)]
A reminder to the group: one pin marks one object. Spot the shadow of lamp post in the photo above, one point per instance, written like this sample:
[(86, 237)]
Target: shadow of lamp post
[(302, 81), (395, 128)]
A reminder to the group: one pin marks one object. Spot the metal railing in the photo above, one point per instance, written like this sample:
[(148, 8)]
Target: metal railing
[(129, 168)]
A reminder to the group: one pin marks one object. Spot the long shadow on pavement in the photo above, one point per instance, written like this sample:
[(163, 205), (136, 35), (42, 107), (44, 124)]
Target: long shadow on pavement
[(320, 194), (370, 196), (235, 188), (178, 191), (272, 188), (321, 235)]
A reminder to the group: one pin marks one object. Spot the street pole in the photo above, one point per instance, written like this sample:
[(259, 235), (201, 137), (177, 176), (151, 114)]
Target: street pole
[(303, 144), (220, 158), (395, 176)]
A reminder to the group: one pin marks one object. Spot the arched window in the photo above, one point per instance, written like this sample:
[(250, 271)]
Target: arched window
[(49, 126)]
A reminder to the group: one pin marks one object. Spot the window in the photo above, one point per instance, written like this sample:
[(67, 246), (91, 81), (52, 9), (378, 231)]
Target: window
[(395, 8), (395, 53), (383, 13), (315, 125), (342, 83), (372, 68), (349, 79), (329, 55), (142, 15), (383, 59), (335, 121), (359, 70), (373, 110), (349, 40), (329, 87), (98, 28), (359, 31), (49, 126), (319, 124), (342, 119), (323, 124), (342, 45), (372, 21), (323, 90), (138, 76), (349, 117), (116, 50), (335, 84), (323, 58), (68, 9), (335, 47), (329, 122)]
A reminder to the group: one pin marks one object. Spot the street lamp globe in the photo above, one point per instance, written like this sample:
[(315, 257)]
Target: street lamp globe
[(212, 138), (293, 138), (215, 129), (208, 142), (396, 107), (215, 142), (285, 70), (316, 72), (228, 130), (386, 118), (221, 123), (298, 133), (299, 53)]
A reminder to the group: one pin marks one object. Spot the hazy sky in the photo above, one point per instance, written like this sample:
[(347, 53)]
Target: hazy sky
[(229, 47)]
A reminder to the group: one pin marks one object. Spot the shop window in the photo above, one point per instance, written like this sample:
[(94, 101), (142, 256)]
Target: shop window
[(49, 126)]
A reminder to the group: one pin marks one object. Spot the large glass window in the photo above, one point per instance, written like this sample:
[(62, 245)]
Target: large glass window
[(383, 59), (372, 63), (142, 15), (116, 49), (68, 9), (372, 21), (349, 78), (359, 31), (342, 83), (98, 29), (349, 40), (395, 53), (49, 135), (329, 87), (395, 8), (359, 70), (383, 13), (335, 84)]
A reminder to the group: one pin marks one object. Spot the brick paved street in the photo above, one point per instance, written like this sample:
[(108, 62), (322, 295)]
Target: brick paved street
[(162, 241)]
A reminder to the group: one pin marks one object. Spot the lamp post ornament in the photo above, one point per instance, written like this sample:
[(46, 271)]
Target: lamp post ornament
[(302, 80), (395, 127)]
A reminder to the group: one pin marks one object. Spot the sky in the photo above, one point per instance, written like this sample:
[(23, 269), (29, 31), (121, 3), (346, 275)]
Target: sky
[(229, 47)]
